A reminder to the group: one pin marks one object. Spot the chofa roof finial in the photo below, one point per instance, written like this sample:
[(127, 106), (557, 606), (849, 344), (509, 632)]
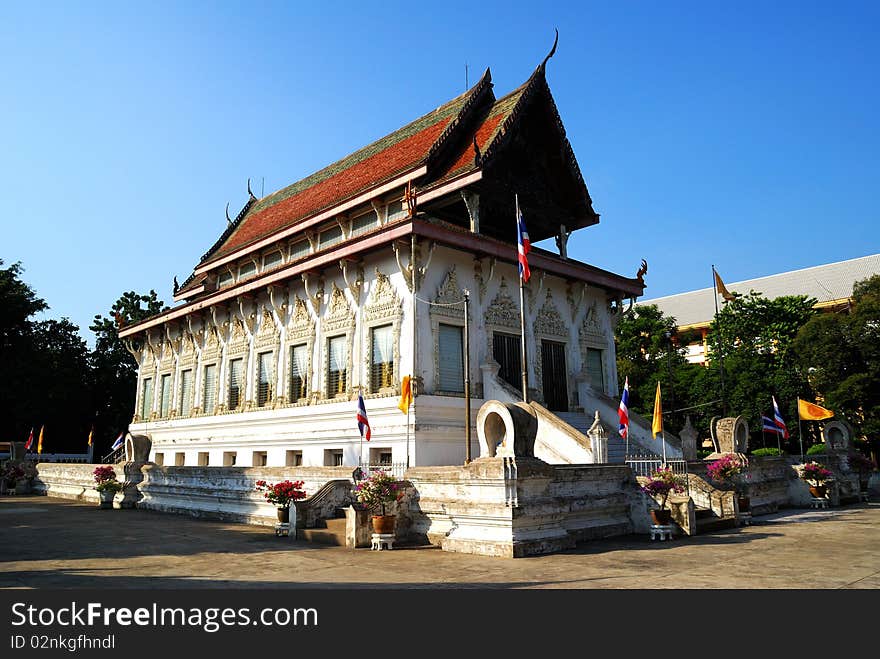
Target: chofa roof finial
[(249, 189), (228, 219), (552, 50)]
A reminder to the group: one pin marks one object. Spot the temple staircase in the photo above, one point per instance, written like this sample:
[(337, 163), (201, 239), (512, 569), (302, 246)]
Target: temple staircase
[(329, 531)]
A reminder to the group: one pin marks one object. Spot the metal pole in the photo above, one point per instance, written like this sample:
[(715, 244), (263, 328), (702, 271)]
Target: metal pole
[(522, 320), (467, 379), (801, 436), (720, 351)]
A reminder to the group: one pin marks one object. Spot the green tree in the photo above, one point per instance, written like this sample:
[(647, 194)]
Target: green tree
[(647, 353), (840, 353), (754, 335), (114, 369)]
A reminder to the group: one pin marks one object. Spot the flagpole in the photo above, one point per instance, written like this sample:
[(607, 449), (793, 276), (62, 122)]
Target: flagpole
[(663, 439), (522, 319), (720, 352), (800, 430)]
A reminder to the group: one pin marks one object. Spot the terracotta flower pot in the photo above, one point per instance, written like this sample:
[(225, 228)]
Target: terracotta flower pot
[(661, 517), (284, 515), (383, 523), (745, 504), (818, 491)]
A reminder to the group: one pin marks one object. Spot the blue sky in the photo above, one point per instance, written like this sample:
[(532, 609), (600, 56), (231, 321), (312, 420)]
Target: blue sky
[(740, 134)]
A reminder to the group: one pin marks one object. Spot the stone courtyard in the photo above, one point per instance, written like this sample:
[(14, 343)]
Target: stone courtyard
[(55, 543)]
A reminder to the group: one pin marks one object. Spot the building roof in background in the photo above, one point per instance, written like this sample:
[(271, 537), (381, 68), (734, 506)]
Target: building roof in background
[(827, 283)]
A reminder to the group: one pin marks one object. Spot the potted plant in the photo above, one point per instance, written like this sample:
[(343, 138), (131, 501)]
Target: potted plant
[(282, 495), (816, 474), (660, 484), (106, 485), (863, 466), (731, 471), (377, 491), (10, 474)]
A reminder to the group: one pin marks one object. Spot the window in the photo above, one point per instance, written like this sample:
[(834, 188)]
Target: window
[(186, 381), (147, 398), (451, 362), (329, 236), (209, 389), (333, 457), (506, 351), (164, 395), (203, 459), (395, 211), (299, 249), (264, 378), (247, 269), (272, 259), (382, 364), (595, 372), (226, 277), (299, 364), (260, 458), (380, 456), (336, 358), (179, 459), (159, 459), (293, 459), (229, 459), (235, 367), (363, 223)]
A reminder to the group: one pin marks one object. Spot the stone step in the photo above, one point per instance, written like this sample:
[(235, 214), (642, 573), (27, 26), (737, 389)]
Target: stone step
[(333, 533), (707, 524), (703, 513), (581, 422)]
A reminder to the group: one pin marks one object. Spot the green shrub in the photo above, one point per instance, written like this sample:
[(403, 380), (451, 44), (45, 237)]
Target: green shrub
[(702, 454), (767, 451), (816, 449)]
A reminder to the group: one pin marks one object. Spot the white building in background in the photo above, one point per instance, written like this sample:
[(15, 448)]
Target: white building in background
[(348, 280), (830, 284)]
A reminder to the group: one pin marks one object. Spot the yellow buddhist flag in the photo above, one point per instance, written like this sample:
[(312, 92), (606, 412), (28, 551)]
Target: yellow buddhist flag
[(91, 432), (810, 412), (405, 395), (40, 440), (657, 425), (722, 289)]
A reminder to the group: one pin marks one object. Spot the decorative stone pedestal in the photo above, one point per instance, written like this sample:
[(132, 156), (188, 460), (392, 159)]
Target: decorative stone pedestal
[(381, 541), (819, 502), (284, 529), (661, 531), (745, 519)]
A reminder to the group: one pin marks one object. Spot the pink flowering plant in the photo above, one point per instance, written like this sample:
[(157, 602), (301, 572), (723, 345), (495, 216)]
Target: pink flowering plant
[(815, 473), (729, 471), (105, 480), (283, 493), (379, 490), (661, 483)]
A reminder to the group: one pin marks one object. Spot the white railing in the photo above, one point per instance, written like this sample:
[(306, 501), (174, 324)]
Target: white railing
[(396, 469), (52, 457), (647, 464)]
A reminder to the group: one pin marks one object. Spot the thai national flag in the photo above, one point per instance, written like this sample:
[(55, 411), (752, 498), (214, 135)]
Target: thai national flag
[(777, 418), (623, 410), (30, 441), (523, 244), (768, 425), (362, 418), (118, 443)]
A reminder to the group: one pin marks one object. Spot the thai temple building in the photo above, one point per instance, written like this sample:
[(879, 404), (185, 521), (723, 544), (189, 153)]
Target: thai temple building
[(341, 284)]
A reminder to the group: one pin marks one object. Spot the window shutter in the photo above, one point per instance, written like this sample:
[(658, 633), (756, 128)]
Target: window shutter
[(185, 393), (451, 359), (210, 389)]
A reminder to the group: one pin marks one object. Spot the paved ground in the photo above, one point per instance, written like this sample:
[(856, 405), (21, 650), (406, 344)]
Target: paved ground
[(53, 543)]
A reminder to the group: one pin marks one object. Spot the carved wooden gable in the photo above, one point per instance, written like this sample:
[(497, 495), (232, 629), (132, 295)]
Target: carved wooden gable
[(268, 333), (549, 321), (384, 301), (449, 299), (340, 315), (503, 311), (301, 326), (238, 342)]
